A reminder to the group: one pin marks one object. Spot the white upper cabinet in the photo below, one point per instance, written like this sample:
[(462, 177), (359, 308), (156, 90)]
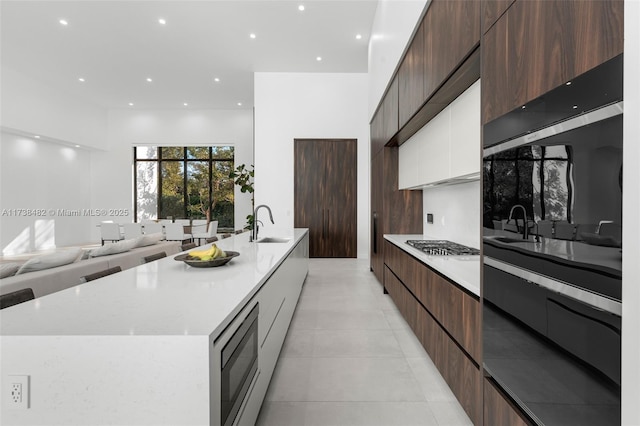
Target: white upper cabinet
[(447, 147)]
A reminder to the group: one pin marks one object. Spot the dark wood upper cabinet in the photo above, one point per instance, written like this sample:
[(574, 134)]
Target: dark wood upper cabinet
[(453, 28), (411, 79), (385, 121), (537, 45), (491, 11), (326, 195)]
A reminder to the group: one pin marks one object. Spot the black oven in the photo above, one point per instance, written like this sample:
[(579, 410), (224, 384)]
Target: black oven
[(239, 363), (552, 251)]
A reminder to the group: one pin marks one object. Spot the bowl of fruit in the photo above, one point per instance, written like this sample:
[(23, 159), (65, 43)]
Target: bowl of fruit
[(207, 258)]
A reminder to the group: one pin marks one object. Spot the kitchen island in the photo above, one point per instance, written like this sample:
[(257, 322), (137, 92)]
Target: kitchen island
[(137, 347)]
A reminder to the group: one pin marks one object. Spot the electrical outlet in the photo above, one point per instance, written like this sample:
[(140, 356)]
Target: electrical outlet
[(17, 392), (429, 217)]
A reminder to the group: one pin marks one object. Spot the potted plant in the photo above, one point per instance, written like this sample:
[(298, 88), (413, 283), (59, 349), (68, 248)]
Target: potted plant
[(243, 177)]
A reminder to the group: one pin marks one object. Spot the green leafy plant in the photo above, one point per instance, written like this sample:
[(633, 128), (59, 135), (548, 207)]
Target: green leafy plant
[(243, 177)]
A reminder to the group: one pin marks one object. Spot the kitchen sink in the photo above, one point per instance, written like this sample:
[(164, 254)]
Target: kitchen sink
[(273, 240)]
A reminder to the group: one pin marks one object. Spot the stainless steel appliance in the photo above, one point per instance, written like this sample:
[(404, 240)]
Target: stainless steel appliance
[(552, 252), (442, 248), (239, 363)]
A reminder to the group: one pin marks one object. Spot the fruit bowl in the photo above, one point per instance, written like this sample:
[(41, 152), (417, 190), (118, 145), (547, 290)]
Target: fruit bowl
[(198, 263)]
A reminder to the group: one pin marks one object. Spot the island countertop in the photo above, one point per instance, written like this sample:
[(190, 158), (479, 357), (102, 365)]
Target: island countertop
[(463, 270), (164, 297)]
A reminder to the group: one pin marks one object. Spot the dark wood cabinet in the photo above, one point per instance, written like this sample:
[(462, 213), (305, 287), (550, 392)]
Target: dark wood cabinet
[(497, 408), (454, 32), (385, 121), (326, 195), (491, 11), (405, 278), (537, 45), (393, 211), (411, 78)]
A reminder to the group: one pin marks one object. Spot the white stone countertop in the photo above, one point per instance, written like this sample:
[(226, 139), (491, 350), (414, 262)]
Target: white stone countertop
[(165, 297), (463, 270)]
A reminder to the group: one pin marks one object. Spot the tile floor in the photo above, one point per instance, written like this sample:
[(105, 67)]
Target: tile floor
[(350, 359)]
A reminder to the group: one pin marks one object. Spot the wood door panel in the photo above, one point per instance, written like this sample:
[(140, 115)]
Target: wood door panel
[(491, 11), (341, 194), (326, 195), (309, 191)]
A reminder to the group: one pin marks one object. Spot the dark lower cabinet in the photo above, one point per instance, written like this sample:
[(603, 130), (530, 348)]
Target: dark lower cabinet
[(325, 197), (444, 321), (497, 408)]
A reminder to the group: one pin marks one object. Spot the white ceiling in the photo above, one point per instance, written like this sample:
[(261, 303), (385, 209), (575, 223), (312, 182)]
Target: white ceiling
[(115, 45)]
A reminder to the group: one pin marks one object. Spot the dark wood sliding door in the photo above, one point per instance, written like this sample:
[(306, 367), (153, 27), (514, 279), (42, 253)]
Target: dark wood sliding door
[(326, 195)]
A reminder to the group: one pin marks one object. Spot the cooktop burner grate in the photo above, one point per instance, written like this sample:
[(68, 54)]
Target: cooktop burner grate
[(442, 248)]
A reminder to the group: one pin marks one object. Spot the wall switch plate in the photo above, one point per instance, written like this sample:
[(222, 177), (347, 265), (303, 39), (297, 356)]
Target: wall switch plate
[(16, 392), (429, 217)]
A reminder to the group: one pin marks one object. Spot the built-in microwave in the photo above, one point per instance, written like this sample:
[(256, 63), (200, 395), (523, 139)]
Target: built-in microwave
[(552, 251), (235, 366)]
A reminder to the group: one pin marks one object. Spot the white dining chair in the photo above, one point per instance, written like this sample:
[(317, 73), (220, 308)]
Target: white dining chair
[(132, 230), (110, 231), (198, 226), (212, 229), (175, 232), (152, 228), (183, 222)]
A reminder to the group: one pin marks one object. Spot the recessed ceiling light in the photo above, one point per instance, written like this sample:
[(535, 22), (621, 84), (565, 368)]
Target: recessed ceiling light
[(252, 35), (37, 137), (358, 36), (318, 58), (162, 21), (568, 83), (575, 107), (301, 7), (77, 146), (239, 103), (81, 80), (217, 80), (63, 22), (524, 107), (149, 79), (130, 103), (185, 104)]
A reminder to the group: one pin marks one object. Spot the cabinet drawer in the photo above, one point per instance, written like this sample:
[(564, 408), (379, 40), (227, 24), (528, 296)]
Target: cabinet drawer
[(498, 410), (457, 311)]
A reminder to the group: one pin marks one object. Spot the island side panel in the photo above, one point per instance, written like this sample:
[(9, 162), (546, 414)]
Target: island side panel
[(123, 380)]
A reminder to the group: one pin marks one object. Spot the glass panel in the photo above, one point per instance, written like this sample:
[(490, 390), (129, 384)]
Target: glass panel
[(172, 152), (172, 201), (198, 152), (223, 199), (147, 190), (222, 152), (198, 189), (146, 152)]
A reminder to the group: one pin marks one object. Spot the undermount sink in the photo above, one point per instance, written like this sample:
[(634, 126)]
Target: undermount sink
[(273, 240)]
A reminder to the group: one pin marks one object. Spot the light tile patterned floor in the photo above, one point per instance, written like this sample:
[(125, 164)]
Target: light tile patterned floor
[(350, 359)]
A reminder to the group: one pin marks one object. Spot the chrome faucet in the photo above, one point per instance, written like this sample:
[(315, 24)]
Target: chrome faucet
[(254, 232), (525, 231)]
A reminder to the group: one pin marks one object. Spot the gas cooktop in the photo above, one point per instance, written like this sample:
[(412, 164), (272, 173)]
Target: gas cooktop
[(442, 248)]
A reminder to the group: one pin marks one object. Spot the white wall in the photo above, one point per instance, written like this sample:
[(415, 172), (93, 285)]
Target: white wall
[(112, 171), (631, 225), (307, 105), (393, 25), (456, 213), (42, 176), (34, 107)]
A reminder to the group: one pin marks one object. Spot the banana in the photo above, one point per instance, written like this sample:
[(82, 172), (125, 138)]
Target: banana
[(212, 252)]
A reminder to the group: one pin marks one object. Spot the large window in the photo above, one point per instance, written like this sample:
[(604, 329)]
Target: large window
[(184, 182)]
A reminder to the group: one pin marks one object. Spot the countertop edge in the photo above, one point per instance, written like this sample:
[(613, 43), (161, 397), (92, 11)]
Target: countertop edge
[(464, 272)]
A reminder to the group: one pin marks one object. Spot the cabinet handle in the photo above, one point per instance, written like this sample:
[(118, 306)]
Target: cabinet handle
[(323, 225), (375, 233)]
